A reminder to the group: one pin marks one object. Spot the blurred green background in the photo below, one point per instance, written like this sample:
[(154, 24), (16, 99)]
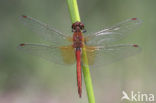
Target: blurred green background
[(28, 79)]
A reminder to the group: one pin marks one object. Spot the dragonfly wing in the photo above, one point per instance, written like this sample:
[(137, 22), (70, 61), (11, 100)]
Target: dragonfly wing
[(103, 55), (45, 31), (113, 33), (59, 55)]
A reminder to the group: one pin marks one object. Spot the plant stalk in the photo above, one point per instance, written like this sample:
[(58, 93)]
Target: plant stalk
[(74, 14)]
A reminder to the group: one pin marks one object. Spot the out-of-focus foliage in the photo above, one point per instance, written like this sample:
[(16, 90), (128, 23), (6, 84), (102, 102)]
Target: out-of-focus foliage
[(34, 80)]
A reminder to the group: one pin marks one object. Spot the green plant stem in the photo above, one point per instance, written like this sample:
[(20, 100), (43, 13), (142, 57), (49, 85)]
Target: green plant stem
[(74, 13), (87, 77)]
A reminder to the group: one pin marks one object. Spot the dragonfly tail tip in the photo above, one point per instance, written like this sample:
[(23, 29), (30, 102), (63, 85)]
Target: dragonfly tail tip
[(80, 96)]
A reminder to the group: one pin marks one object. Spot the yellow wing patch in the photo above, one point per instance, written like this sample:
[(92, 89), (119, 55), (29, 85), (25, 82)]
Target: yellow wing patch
[(68, 54), (91, 54)]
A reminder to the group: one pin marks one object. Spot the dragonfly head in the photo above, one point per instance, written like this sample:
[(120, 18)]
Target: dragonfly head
[(77, 27)]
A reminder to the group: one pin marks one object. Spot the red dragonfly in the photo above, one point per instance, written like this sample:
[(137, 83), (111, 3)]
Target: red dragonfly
[(68, 49)]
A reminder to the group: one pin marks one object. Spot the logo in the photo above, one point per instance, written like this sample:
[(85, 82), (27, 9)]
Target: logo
[(137, 97)]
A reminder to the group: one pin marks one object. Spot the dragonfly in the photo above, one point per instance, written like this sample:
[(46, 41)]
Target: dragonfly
[(100, 46)]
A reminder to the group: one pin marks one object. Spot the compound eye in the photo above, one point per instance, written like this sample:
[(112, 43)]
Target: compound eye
[(73, 26), (81, 26)]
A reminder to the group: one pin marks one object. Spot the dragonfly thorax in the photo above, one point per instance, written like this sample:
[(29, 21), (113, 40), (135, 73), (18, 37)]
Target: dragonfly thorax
[(77, 40), (78, 28)]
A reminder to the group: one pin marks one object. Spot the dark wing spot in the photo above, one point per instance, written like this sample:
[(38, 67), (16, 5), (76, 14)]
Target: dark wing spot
[(135, 45), (22, 44), (24, 16), (134, 19)]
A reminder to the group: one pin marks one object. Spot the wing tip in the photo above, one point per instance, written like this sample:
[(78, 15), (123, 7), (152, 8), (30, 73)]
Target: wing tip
[(22, 44), (136, 20), (135, 45), (23, 16)]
